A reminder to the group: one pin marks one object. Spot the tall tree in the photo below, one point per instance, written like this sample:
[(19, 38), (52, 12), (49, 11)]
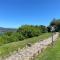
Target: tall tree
[(56, 24)]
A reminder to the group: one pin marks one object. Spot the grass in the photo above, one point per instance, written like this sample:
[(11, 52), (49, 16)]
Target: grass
[(7, 48), (51, 53)]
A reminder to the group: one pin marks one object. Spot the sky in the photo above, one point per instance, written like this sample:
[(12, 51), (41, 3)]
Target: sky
[(14, 13)]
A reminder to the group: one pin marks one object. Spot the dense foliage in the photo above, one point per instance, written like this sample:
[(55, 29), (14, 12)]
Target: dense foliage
[(30, 31), (23, 32), (54, 23), (27, 31)]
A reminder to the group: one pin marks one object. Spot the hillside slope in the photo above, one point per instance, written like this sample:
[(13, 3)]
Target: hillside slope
[(9, 48), (30, 52)]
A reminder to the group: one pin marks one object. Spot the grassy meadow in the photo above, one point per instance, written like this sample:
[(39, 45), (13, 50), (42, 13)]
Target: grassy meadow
[(6, 49)]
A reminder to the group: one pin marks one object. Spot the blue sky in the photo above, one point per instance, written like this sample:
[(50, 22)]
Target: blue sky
[(14, 13)]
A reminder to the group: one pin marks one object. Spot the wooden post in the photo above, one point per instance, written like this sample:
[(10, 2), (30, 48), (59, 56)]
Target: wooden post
[(52, 39)]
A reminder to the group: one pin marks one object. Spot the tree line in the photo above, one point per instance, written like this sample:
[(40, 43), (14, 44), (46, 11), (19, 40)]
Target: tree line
[(28, 31), (23, 32)]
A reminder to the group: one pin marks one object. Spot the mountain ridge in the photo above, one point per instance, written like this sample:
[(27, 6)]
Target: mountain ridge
[(2, 29)]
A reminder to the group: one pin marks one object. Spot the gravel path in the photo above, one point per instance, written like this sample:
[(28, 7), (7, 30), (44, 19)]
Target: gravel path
[(30, 52)]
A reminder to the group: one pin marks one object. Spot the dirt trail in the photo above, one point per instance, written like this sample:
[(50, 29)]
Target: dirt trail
[(30, 52)]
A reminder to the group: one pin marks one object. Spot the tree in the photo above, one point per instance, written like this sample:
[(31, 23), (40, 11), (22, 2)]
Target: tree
[(56, 24), (29, 30)]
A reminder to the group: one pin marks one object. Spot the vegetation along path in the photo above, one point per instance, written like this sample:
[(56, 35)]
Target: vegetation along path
[(30, 52)]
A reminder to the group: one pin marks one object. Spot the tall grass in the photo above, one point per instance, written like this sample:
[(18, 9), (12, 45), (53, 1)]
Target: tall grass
[(6, 49)]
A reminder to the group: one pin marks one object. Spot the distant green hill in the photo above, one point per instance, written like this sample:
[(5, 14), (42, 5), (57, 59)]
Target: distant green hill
[(2, 30)]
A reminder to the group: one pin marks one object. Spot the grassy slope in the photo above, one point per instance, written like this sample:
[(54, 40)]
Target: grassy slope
[(51, 53), (7, 48)]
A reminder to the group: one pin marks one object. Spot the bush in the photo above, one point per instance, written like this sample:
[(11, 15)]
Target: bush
[(29, 31), (25, 31)]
